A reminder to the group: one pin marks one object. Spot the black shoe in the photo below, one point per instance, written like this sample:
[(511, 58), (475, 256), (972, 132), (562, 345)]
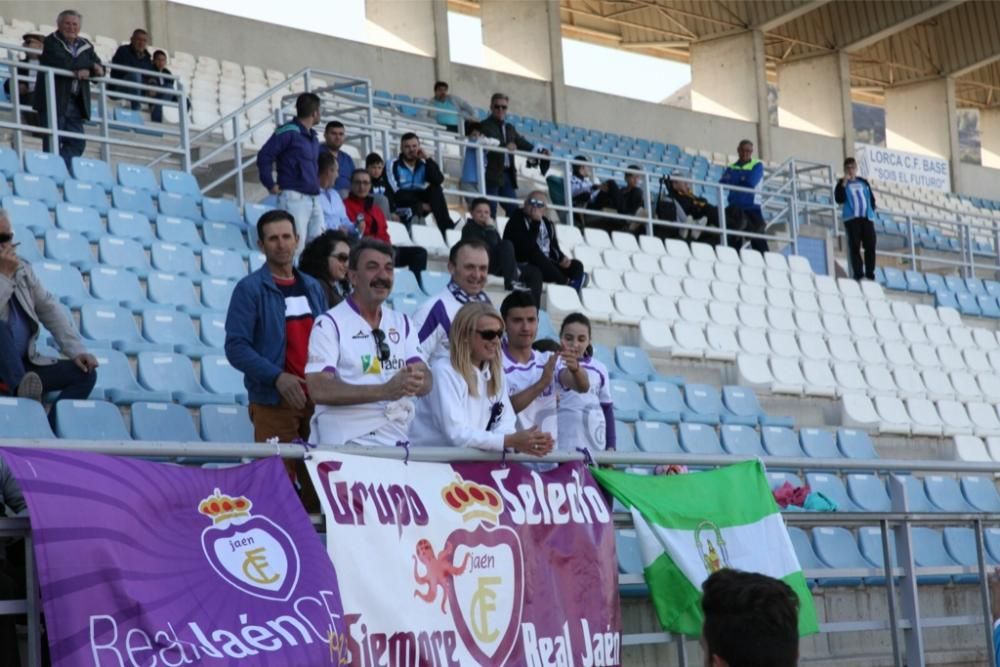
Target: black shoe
[(30, 387)]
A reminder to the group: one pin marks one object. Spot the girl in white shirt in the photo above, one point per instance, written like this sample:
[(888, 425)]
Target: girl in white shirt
[(468, 404), (588, 418)]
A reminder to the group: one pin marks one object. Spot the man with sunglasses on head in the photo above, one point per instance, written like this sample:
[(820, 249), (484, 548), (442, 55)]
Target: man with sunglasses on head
[(501, 172), (534, 239), (469, 266), (25, 306), (270, 316), (365, 364)]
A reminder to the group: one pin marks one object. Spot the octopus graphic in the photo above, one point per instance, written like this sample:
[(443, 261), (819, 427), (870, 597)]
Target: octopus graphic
[(440, 571)]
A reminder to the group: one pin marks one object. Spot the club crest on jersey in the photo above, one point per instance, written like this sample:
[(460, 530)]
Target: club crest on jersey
[(370, 364), (394, 335)]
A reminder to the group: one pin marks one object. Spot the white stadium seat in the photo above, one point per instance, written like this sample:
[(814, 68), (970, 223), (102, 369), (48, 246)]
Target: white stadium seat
[(937, 334), (597, 304), (799, 264), (888, 331), (753, 371), (842, 349), (836, 325), (651, 245), (776, 261), (668, 286), (780, 298), (909, 382), (898, 354), (813, 347), (728, 273), (655, 336), (937, 383), (805, 301), (638, 283), (561, 300), (724, 314), (776, 278), (965, 386), (752, 316), (661, 308), (787, 375), (689, 340), (903, 312), (781, 319), (924, 417), (692, 311), (819, 380), (630, 306), (926, 314), (617, 259), (961, 337), (984, 418), (727, 255), (971, 449), (809, 322), (858, 411), (607, 280), (954, 418), (646, 263), (985, 339), (674, 267), (722, 344), (892, 415), (753, 295), (855, 307), (753, 276), (880, 381), (750, 257), (677, 248), (597, 238), (802, 282), (696, 288), (848, 287), (753, 341), (703, 252), (725, 292), (783, 344)]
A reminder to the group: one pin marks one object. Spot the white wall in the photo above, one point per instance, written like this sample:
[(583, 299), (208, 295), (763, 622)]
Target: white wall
[(979, 181), (786, 143)]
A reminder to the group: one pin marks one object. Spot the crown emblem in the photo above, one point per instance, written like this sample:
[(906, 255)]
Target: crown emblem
[(221, 507), (472, 501)]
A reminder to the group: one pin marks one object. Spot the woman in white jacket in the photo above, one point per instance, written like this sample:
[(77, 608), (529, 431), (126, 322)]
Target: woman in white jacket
[(468, 405)]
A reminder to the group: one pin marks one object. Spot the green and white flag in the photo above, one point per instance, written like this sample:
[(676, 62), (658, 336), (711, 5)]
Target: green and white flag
[(691, 525)]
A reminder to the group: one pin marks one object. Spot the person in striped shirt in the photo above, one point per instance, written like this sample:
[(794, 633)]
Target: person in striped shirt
[(858, 214)]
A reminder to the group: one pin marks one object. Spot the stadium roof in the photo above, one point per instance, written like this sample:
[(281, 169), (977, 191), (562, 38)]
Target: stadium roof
[(889, 42)]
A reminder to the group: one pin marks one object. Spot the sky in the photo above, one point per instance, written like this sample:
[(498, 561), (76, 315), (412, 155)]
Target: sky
[(585, 65)]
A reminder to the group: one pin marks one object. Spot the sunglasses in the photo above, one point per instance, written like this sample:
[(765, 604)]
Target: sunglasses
[(537, 203), (384, 353), (342, 257), (490, 334), (501, 107), (6, 238)]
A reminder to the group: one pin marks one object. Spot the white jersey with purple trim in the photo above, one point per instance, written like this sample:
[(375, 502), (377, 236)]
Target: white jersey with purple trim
[(541, 412), (581, 418), (433, 322), (342, 342)]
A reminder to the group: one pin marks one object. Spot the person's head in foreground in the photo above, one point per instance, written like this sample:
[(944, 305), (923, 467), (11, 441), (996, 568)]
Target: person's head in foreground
[(851, 168), (751, 620), (370, 270), (534, 206), (475, 336), (469, 266), (575, 335)]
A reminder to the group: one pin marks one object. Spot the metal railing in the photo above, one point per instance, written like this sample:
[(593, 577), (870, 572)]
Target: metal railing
[(905, 618)]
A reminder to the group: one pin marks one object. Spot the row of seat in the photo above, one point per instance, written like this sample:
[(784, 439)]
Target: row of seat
[(101, 420), (662, 401), (919, 416), (923, 283)]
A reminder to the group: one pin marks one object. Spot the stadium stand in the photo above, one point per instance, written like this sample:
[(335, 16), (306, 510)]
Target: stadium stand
[(709, 348)]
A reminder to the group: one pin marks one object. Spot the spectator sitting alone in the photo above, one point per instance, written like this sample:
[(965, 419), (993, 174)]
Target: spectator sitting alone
[(25, 306), (534, 239), (746, 172), (468, 405), (751, 620), (503, 262), (416, 180), (325, 259), (134, 55)]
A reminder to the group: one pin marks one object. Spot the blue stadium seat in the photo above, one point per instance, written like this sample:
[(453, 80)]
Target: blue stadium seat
[(230, 237), (408, 304), (870, 543), (174, 258), (741, 440), (657, 437), (778, 479), (179, 206), (171, 290), (221, 209), (629, 561), (404, 283), (627, 399), (163, 422), (123, 253), (955, 284), (832, 487), (545, 328), (929, 551), (981, 493), (992, 537), (50, 165), (916, 496), (4, 189), (705, 403), (95, 172), (219, 377), (868, 492), (934, 282), (64, 282), (68, 248), (665, 398), (213, 328), (975, 286), (10, 163), (742, 402), (28, 214), (86, 194), (173, 330), (252, 213), (225, 423), (894, 278), (130, 225), (434, 281), (23, 418), (988, 306), (699, 439), (180, 182), (220, 263), (992, 287), (944, 299), (624, 438), (960, 543), (173, 373), (604, 355), (138, 177), (134, 200), (81, 219), (116, 383), (838, 548), (967, 304), (37, 188), (116, 326), (804, 552), (636, 365), (818, 444), (89, 420), (172, 229), (130, 119), (946, 494), (216, 292), (28, 250), (855, 444), (781, 441)]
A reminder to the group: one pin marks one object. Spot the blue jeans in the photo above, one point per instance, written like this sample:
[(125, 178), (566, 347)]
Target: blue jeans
[(64, 375), (507, 189)]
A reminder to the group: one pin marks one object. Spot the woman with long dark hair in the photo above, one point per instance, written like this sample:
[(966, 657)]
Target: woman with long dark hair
[(325, 259)]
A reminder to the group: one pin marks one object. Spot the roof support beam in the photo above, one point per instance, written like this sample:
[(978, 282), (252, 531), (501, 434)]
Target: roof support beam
[(791, 15), (889, 31)]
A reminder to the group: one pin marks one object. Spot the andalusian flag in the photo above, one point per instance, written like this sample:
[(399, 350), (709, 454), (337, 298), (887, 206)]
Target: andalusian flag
[(692, 525)]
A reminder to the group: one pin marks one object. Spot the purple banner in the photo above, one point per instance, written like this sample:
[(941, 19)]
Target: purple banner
[(146, 563), (471, 563)]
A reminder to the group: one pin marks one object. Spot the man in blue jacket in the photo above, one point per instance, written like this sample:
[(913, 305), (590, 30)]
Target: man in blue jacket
[(294, 149), (746, 172), (858, 214), (267, 336)]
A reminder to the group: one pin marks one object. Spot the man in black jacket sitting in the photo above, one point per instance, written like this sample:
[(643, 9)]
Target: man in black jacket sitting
[(65, 49), (503, 260), (534, 239), (417, 181)]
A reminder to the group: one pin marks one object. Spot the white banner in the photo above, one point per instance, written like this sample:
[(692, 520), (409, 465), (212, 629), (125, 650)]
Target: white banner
[(885, 165)]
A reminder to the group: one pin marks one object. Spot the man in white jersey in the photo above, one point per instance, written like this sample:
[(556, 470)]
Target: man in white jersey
[(469, 265), (532, 381), (365, 364)]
